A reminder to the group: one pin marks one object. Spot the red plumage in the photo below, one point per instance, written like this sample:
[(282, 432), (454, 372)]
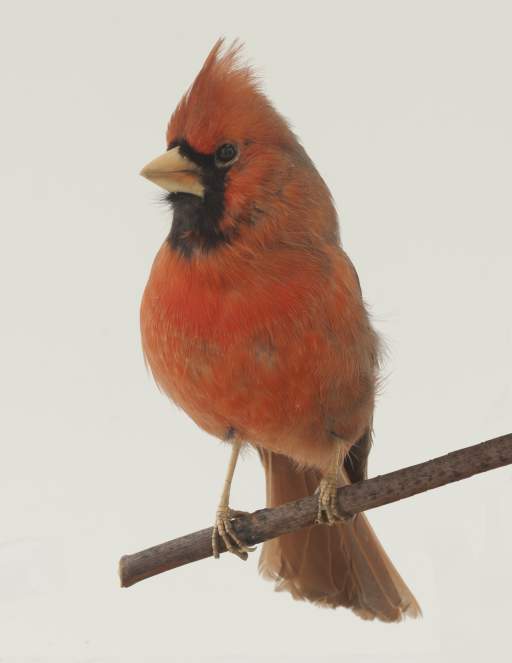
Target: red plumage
[(253, 322)]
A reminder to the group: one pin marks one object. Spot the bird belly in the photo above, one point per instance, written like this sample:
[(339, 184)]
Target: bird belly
[(287, 383), (249, 390)]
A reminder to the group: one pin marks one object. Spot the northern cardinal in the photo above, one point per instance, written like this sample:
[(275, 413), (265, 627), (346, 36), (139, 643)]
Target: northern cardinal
[(253, 322)]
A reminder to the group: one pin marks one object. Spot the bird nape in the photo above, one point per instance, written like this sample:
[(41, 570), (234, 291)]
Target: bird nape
[(253, 322)]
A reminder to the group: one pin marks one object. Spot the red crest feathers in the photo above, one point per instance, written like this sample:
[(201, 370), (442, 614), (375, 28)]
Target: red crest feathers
[(225, 103)]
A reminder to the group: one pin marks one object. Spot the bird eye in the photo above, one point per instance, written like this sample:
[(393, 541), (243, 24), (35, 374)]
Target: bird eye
[(225, 154)]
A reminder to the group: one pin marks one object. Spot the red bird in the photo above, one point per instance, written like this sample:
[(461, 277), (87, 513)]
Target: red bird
[(253, 322)]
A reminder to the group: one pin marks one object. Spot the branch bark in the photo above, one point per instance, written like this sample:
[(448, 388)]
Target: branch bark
[(269, 523)]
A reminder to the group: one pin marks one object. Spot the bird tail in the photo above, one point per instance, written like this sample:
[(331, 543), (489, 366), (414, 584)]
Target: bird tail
[(342, 565)]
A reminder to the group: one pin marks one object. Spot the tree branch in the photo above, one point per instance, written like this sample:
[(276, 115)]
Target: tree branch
[(269, 523)]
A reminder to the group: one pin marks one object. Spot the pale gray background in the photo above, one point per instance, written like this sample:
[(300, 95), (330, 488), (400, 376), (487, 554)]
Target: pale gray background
[(406, 109)]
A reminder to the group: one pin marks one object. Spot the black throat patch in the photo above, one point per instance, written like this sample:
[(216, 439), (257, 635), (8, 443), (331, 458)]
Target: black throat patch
[(196, 221)]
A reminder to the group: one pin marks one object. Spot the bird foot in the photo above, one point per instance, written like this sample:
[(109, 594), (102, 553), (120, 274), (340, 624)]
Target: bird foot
[(223, 528), (328, 511)]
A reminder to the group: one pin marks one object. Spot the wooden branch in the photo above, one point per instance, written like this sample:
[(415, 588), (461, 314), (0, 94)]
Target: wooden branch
[(269, 523)]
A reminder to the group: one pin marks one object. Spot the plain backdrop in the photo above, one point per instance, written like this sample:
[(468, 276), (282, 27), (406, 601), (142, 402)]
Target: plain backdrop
[(406, 109)]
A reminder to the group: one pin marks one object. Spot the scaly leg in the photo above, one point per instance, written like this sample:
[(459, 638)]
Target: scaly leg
[(223, 526), (328, 512)]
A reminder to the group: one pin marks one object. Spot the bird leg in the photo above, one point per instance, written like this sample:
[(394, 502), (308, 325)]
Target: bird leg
[(328, 512), (223, 526)]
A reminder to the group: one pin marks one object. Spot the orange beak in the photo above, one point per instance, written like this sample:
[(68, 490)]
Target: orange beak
[(174, 173)]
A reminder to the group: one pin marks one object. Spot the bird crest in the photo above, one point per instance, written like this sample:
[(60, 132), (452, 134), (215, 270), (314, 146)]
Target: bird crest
[(225, 102)]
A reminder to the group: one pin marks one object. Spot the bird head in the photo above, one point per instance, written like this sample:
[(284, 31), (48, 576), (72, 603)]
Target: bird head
[(233, 168)]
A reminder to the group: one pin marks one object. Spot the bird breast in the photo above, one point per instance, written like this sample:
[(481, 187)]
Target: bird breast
[(279, 362)]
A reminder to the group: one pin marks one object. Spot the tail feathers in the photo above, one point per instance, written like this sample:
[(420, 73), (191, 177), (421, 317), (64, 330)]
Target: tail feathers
[(344, 565)]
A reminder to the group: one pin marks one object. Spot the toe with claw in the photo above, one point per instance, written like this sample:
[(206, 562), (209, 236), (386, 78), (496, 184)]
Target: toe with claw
[(327, 506), (328, 511), (223, 529)]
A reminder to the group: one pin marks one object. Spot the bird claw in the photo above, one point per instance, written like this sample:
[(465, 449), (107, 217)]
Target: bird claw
[(223, 528), (328, 511)]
